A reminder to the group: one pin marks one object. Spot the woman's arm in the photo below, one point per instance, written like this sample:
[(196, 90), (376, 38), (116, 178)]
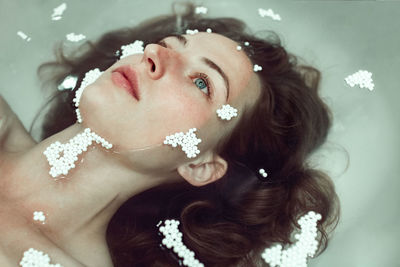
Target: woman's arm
[(13, 135)]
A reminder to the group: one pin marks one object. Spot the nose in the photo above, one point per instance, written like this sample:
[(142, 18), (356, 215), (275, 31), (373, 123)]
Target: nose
[(156, 58)]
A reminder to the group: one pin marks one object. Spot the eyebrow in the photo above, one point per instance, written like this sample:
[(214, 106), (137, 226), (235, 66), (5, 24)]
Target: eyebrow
[(183, 40)]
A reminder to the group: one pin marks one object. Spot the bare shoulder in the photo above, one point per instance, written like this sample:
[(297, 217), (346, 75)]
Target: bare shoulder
[(19, 239), (13, 135), (5, 109), (6, 116)]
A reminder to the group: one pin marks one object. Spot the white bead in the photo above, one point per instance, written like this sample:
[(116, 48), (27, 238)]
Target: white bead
[(201, 9), (257, 68), (71, 150), (227, 112), (170, 230), (191, 32), (75, 37), (39, 216), (362, 78), (35, 258), (58, 11), (134, 48), (90, 77), (68, 83), (296, 254), (263, 173), (269, 13), (188, 142), (238, 48)]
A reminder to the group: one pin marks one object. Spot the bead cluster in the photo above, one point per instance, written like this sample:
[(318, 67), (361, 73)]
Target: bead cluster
[(89, 78), (173, 240), (238, 48), (257, 68), (296, 255), (134, 48), (191, 32), (36, 258), (23, 36), (263, 173), (68, 83), (75, 37), (227, 112), (363, 78), (39, 216), (71, 150), (201, 9), (58, 11), (188, 141), (269, 13)]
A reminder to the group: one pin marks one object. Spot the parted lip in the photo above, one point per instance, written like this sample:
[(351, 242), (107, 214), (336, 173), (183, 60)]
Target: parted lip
[(130, 75)]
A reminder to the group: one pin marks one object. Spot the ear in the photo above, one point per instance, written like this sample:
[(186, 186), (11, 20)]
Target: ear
[(208, 168)]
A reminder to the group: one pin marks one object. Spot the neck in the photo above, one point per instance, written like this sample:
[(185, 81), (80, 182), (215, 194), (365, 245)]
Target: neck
[(82, 203)]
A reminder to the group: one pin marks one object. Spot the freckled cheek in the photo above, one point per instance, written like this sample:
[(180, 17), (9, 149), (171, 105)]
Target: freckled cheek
[(186, 111)]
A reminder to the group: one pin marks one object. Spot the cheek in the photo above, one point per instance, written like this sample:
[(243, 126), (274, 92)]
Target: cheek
[(179, 103), (165, 111), (179, 112)]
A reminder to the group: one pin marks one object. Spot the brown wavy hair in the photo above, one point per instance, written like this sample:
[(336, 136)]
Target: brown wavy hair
[(231, 221)]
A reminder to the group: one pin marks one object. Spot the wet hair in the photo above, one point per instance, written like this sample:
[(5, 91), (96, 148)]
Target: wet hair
[(231, 221)]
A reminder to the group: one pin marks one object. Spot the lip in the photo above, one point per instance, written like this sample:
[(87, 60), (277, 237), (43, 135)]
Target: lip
[(125, 77)]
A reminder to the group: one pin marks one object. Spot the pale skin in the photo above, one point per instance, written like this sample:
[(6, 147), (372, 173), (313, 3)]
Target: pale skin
[(79, 206)]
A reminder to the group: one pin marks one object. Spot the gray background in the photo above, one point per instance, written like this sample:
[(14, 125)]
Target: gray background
[(338, 37)]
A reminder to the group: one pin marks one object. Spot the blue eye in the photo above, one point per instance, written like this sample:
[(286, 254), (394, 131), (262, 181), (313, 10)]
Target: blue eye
[(201, 79), (202, 82)]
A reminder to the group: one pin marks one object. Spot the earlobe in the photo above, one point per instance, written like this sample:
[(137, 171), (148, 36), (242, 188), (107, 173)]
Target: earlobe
[(203, 171)]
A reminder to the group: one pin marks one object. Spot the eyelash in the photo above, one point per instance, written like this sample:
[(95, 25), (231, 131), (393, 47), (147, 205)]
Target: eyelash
[(207, 81), (197, 75)]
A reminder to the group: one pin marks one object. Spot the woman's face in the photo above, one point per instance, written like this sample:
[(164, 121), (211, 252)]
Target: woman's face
[(173, 95)]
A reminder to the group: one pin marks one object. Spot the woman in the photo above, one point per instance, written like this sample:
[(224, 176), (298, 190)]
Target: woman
[(104, 210)]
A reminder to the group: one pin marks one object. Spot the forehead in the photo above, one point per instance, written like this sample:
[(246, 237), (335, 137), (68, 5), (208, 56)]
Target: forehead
[(223, 51)]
